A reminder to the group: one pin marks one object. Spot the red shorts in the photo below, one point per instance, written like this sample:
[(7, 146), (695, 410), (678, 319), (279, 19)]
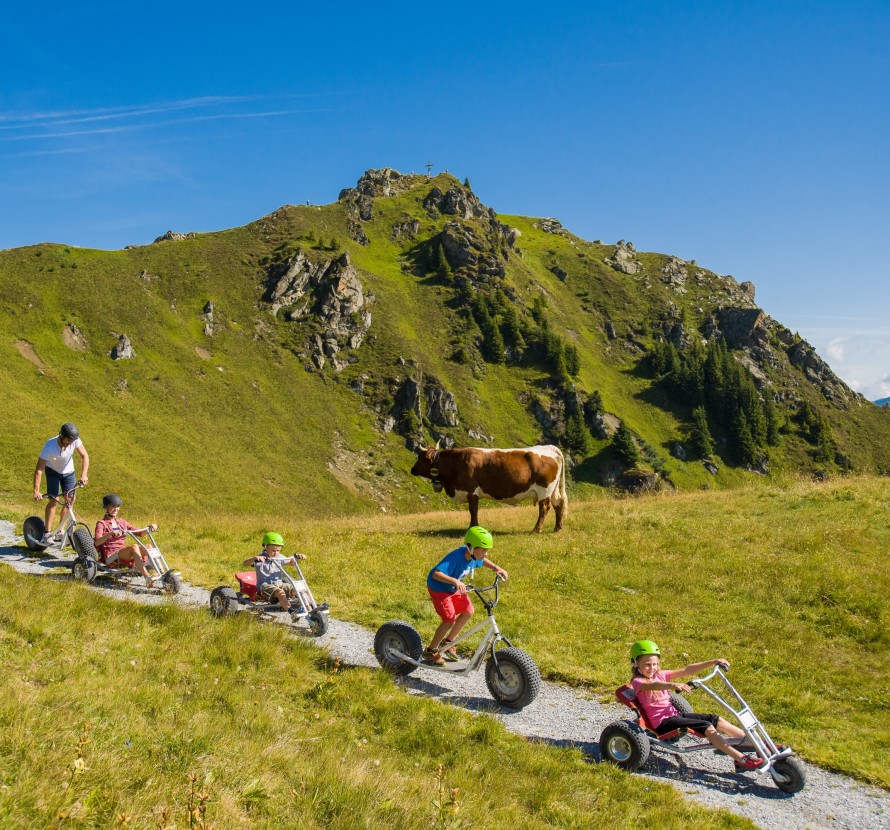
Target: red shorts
[(448, 606)]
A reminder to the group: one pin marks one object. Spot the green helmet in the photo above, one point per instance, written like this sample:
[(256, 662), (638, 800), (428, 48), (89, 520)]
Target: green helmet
[(479, 537), (272, 538), (641, 647)]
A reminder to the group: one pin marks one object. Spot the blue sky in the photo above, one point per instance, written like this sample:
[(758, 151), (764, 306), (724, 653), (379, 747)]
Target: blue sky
[(750, 136)]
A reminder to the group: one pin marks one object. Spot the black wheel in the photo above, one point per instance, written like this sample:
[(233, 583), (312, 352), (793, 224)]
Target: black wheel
[(397, 637), (791, 778), (318, 622), (223, 601), (33, 529), (172, 582), (625, 744), (515, 681), (85, 569), (683, 706), (82, 542)]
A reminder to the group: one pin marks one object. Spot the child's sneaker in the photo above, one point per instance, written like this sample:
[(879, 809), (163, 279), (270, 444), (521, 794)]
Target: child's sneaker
[(749, 763), (449, 652), (431, 655)]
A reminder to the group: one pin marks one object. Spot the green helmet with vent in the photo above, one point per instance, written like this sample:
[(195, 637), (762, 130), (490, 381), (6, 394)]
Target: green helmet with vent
[(479, 537), (643, 647), (272, 538)]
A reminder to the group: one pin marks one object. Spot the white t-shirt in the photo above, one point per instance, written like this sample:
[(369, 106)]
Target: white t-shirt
[(56, 458)]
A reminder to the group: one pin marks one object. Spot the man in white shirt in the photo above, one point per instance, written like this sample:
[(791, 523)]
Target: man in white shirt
[(57, 460)]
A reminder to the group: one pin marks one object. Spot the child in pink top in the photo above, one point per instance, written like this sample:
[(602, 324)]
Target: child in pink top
[(110, 538), (653, 687)]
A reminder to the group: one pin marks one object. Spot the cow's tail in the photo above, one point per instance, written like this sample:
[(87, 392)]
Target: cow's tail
[(563, 499)]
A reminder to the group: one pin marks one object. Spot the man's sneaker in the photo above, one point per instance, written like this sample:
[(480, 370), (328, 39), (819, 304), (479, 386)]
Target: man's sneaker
[(749, 763), (47, 539), (431, 655), (449, 652), (58, 536)]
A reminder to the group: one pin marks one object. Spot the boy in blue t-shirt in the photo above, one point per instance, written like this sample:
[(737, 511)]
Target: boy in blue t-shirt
[(449, 594)]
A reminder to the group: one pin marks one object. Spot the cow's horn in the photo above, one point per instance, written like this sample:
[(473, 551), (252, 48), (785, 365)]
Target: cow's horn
[(437, 444)]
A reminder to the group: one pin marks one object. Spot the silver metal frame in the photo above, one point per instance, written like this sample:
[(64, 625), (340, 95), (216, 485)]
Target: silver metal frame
[(67, 525), (491, 638)]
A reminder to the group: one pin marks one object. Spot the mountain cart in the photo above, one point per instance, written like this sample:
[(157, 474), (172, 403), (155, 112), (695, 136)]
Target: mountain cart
[(511, 675), (90, 565), (225, 601), (627, 743)]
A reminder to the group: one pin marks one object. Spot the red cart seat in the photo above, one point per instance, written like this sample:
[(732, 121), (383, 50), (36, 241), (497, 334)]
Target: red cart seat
[(628, 697), (247, 581)]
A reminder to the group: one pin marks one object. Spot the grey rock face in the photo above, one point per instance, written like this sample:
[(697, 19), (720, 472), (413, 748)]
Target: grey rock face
[(464, 249), (623, 259), (405, 231), (171, 236), (550, 225), (559, 273), (357, 233), (674, 274), (441, 407), (332, 291), (123, 350)]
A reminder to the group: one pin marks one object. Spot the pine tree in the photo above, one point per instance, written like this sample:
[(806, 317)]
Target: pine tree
[(443, 268), (625, 446), (576, 438), (572, 360), (700, 435)]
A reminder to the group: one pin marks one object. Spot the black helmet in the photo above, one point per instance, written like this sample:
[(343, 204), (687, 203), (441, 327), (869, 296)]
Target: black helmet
[(112, 499), (68, 430)]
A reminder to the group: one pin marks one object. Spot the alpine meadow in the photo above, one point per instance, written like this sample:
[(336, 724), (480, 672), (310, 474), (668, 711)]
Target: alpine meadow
[(283, 375)]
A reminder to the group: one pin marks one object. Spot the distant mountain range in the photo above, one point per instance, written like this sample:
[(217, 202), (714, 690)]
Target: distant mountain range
[(883, 402)]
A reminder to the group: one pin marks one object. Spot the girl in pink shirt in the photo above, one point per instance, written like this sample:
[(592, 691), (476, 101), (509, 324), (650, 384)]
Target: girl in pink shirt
[(653, 687)]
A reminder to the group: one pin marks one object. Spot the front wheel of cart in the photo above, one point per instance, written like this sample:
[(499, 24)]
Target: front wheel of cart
[(789, 775), (172, 582), (514, 680), (318, 622), (33, 529)]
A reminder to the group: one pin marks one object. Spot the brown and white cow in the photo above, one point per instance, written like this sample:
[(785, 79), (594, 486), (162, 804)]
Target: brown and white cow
[(468, 474)]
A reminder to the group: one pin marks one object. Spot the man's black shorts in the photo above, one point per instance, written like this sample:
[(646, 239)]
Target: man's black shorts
[(59, 483), (694, 720)]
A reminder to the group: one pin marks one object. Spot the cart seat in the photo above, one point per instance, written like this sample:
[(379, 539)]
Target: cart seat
[(247, 581), (628, 697)]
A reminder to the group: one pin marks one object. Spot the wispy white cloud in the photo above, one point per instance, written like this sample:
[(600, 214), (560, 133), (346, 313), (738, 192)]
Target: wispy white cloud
[(53, 125), (835, 348)]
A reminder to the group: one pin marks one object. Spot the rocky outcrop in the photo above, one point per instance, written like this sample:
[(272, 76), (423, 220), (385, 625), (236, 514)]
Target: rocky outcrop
[(329, 292), (382, 182), (559, 273), (207, 317), (123, 349), (457, 201), (405, 231), (674, 274), (171, 236), (740, 327), (466, 249), (551, 225), (74, 338), (357, 232), (623, 258), (803, 356)]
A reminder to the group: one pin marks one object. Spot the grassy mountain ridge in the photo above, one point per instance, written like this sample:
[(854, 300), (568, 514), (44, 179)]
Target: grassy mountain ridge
[(246, 419)]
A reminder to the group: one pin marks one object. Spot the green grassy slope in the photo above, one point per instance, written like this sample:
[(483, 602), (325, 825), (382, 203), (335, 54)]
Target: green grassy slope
[(241, 421), (117, 715)]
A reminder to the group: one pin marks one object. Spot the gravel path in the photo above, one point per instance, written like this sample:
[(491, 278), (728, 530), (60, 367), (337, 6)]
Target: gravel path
[(564, 717)]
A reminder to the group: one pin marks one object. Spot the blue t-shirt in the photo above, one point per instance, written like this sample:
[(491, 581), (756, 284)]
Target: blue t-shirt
[(454, 565)]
